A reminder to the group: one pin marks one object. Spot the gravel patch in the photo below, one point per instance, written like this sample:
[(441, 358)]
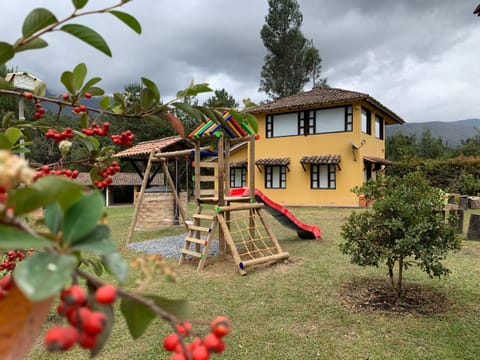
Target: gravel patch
[(168, 247)]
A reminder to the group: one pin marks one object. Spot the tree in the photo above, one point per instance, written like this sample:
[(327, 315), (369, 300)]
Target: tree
[(399, 147), (290, 60), (404, 228), (221, 99), (429, 147)]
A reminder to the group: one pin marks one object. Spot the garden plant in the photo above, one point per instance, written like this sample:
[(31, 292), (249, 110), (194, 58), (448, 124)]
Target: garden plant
[(61, 258), (405, 227)]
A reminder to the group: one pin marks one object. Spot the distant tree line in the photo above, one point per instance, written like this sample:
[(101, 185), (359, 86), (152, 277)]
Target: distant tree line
[(400, 147), (456, 170)]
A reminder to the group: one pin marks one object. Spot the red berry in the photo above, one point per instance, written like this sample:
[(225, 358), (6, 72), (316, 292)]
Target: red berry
[(28, 95), (75, 295), (37, 115), (213, 343), (87, 341), (94, 323), (83, 108), (60, 338), (177, 356), (66, 96), (170, 342), (106, 294), (87, 95), (41, 110), (76, 109), (6, 282), (184, 328), (221, 326), (200, 353)]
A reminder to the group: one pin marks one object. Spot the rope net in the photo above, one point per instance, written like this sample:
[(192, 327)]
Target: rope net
[(249, 235)]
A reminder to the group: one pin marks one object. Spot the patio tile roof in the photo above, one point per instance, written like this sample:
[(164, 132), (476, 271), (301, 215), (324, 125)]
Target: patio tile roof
[(377, 160), (273, 161), (142, 149), (321, 96), (321, 159)]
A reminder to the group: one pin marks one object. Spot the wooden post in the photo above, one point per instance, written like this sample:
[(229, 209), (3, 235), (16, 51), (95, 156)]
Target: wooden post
[(138, 204), (175, 194), (474, 227)]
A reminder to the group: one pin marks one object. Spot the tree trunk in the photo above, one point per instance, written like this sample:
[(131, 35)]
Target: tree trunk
[(391, 265), (400, 277)]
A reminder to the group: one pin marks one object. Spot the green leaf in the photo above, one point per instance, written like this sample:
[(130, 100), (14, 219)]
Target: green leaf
[(116, 265), (146, 98), (90, 143), (153, 87), (91, 37), (128, 19), (95, 91), (201, 88), (90, 83), (102, 338), (37, 20), (6, 52), (68, 81), (79, 4), (36, 43), (104, 103), (84, 124), (82, 217), (54, 188), (13, 134), (42, 275), (97, 241), (5, 143), (12, 238), (137, 316), (79, 74), (53, 217), (41, 90), (178, 308), (186, 108), (4, 84)]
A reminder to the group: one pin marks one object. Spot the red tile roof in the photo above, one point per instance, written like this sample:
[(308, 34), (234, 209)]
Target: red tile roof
[(122, 178), (321, 96), (142, 150)]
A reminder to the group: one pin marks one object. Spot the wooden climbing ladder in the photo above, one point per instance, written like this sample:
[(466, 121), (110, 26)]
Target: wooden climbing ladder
[(199, 238)]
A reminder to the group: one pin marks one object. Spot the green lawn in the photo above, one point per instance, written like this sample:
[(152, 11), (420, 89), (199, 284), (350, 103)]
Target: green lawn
[(294, 310)]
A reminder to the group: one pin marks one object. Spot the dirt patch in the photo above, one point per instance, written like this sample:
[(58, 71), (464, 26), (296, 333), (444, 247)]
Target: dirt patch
[(377, 295)]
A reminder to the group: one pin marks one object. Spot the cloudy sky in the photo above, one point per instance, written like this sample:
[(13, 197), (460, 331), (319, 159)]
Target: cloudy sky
[(420, 58)]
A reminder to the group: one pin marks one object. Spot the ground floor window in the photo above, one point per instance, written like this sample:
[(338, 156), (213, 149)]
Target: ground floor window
[(238, 177), (275, 177), (323, 176)]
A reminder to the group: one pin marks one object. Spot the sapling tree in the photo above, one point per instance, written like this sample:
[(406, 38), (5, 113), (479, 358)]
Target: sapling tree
[(66, 255), (404, 228)]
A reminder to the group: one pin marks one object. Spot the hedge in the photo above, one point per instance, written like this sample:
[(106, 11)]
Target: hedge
[(457, 175)]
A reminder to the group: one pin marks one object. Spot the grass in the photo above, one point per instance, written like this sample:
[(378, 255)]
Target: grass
[(294, 310)]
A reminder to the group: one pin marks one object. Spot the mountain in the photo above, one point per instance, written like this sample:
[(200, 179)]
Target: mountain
[(452, 133)]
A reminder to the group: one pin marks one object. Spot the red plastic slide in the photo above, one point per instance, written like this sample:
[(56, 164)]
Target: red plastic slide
[(282, 215)]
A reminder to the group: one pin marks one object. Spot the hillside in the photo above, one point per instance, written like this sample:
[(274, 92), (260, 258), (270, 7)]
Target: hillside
[(452, 133)]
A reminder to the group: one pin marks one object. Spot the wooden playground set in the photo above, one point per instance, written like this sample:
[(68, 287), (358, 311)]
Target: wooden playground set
[(237, 214)]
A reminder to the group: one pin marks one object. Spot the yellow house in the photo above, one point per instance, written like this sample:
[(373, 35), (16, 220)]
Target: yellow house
[(314, 147)]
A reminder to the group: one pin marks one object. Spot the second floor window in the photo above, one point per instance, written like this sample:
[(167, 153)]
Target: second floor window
[(366, 121), (378, 127), (309, 122)]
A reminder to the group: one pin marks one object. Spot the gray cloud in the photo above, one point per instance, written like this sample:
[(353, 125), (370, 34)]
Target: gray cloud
[(417, 57)]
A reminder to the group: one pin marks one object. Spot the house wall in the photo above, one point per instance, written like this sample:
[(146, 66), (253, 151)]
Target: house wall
[(351, 173)]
